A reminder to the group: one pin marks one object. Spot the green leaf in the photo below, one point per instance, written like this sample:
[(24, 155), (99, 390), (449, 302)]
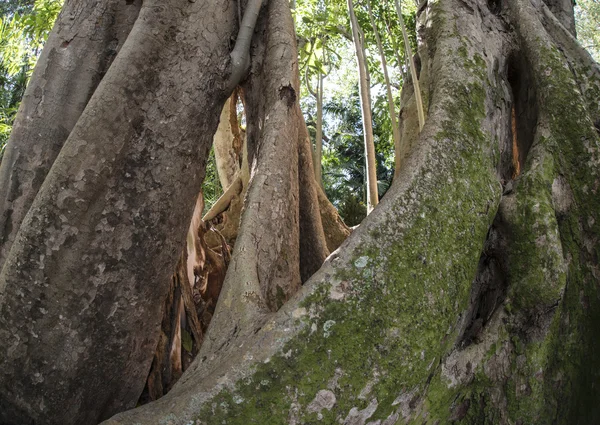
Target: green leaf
[(186, 340)]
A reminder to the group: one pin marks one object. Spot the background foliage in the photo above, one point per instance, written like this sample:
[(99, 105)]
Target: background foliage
[(24, 27), (587, 21)]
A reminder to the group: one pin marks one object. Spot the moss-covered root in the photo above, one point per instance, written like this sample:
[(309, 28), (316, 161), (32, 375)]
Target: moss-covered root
[(538, 269), (536, 362), (570, 372)]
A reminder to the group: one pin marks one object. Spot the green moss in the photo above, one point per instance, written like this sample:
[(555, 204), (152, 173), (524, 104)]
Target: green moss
[(476, 65), (398, 319), (538, 269), (436, 23), (576, 336), (281, 297), (589, 84), (553, 379), (405, 291), (443, 402), (527, 395)]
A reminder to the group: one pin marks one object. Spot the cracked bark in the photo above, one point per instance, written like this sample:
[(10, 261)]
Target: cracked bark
[(80, 49), (106, 218), (482, 291), (424, 314)]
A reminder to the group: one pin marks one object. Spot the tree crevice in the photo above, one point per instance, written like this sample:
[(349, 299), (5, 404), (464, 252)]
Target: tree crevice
[(490, 285), (524, 115)]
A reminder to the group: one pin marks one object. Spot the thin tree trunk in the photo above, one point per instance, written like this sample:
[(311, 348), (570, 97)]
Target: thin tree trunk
[(413, 68), (228, 144), (318, 95), (319, 133), (390, 97), (401, 63), (365, 101), (81, 47)]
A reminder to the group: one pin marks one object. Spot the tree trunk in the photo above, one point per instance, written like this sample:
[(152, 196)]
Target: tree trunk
[(228, 144), (80, 310), (336, 231), (398, 52), (79, 51), (459, 299), (470, 295), (390, 97), (365, 103), (563, 12), (315, 243), (412, 66), (319, 134), (318, 95)]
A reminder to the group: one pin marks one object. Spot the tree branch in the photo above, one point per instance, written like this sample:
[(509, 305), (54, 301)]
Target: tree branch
[(240, 55)]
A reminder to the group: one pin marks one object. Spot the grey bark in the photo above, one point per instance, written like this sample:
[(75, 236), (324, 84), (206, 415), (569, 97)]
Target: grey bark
[(265, 267), (465, 297), (82, 288), (461, 298), (85, 40), (563, 12)]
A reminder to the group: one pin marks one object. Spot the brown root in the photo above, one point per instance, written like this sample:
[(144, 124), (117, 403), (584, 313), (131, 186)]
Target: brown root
[(189, 307)]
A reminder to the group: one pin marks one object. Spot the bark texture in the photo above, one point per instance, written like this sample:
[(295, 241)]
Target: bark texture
[(334, 227), (466, 296), (82, 288), (563, 12), (80, 49), (265, 267), (228, 144), (471, 294)]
